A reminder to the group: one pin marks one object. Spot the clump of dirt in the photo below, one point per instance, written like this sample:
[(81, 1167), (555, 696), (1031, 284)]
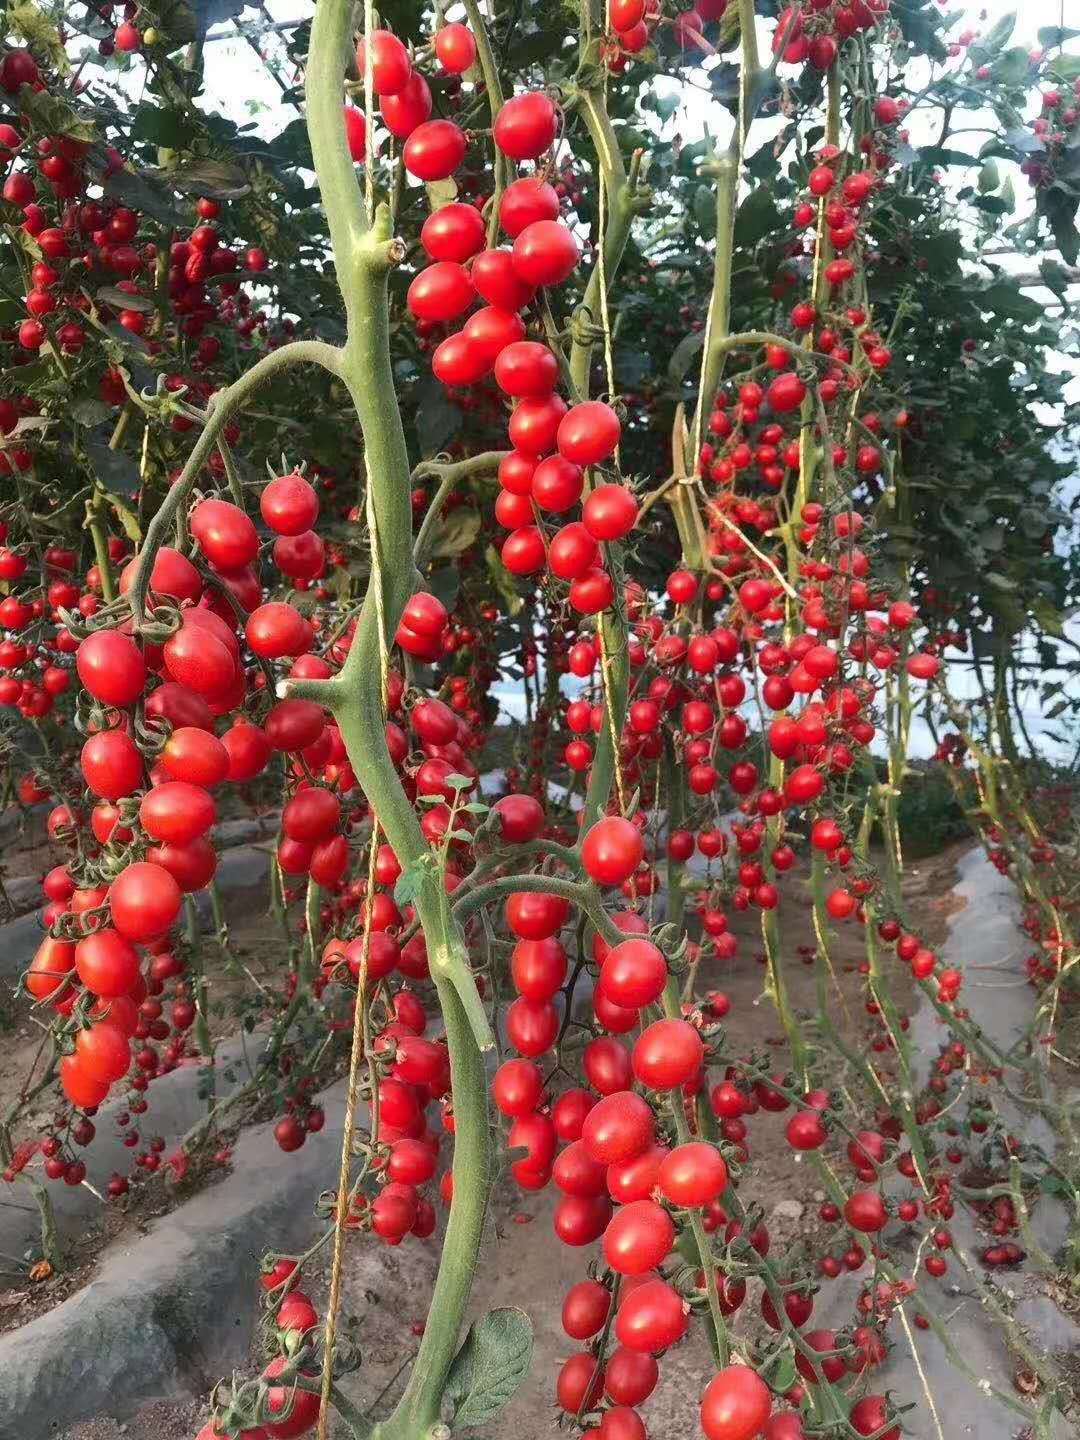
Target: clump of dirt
[(164, 1420)]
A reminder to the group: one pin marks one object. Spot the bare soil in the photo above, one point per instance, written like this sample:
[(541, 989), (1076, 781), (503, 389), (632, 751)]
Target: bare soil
[(386, 1293)]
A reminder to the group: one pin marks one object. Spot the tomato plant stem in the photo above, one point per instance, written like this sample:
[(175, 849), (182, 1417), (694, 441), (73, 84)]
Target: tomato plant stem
[(364, 256), (222, 407)]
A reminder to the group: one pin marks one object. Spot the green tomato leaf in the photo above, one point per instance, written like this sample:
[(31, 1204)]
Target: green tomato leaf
[(455, 532), (55, 116), (989, 177), (784, 1375), (1013, 67), (1001, 32), (705, 210), (502, 581), (40, 34), (88, 410), (492, 1362), (437, 419), (128, 519), (441, 192), (121, 300), (444, 583), (157, 125), (217, 179), (411, 880), (1050, 36), (117, 472), (143, 190), (757, 217), (1004, 299), (683, 354), (1065, 68)]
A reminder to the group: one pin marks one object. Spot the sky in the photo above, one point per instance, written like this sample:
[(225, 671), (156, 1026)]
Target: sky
[(245, 89)]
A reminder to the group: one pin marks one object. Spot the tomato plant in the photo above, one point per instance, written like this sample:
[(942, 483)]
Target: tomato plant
[(713, 452)]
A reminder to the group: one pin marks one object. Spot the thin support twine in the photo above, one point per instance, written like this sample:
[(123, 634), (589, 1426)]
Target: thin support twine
[(609, 362), (361, 1032), (601, 270)]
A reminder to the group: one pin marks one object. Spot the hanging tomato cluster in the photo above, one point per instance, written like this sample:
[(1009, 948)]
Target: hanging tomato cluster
[(817, 32)]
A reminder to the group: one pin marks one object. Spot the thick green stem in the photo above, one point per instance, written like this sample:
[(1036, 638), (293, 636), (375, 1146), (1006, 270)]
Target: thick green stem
[(823, 966), (364, 256), (583, 894), (418, 1410), (50, 1241), (701, 1245), (620, 209), (675, 786), (718, 317), (818, 291), (904, 1103)]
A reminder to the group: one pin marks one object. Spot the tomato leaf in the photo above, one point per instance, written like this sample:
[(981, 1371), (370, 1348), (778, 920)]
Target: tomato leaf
[(455, 532), (128, 519), (437, 419), (411, 880), (989, 177), (705, 210), (1054, 35), (41, 35), (445, 583), (159, 125), (785, 1374), (492, 1362), (218, 179), (756, 217), (55, 116), (502, 581), (683, 354), (117, 471), (1012, 67), (999, 34), (1065, 68), (88, 410), (121, 300), (142, 190), (212, 12), (1003, 298), (441, 192)]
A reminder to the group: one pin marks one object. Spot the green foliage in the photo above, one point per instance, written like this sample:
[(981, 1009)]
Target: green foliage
[(493, 1360), (929, 814)]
